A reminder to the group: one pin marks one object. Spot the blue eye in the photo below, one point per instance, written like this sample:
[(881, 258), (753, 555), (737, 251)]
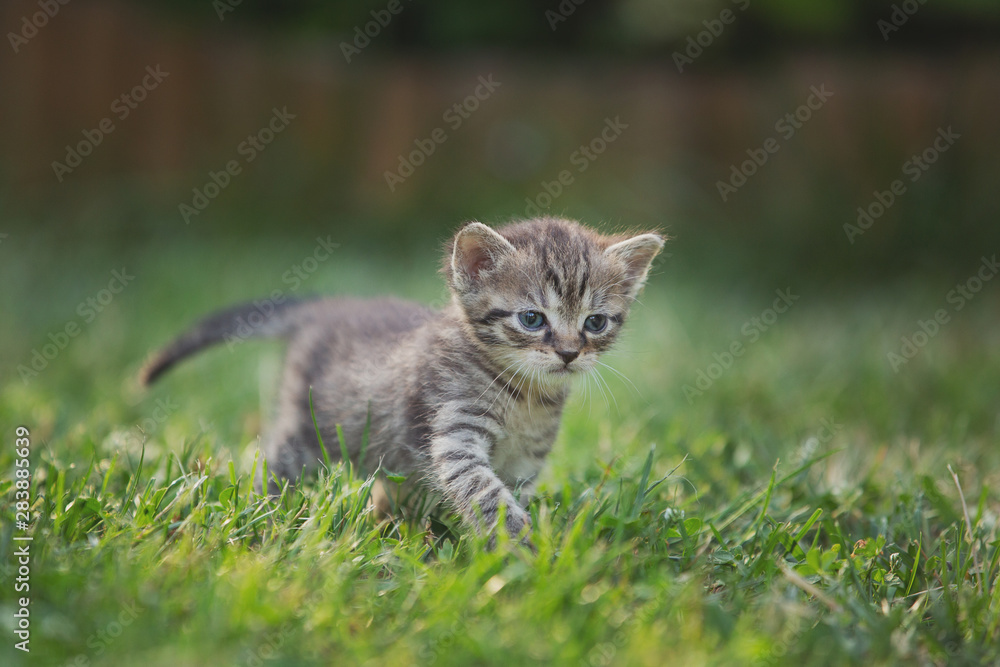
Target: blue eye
[(531, 320), (595, 323)]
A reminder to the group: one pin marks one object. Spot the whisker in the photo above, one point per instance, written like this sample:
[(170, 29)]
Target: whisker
[(590, 396), (600, 378), (503, 389), (534, 372), (524, 379), (517, 387), (621, 375), (597, 382), (491, 384)]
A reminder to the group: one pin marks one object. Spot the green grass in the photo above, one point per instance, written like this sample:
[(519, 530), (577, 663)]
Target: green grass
[(801, 511)]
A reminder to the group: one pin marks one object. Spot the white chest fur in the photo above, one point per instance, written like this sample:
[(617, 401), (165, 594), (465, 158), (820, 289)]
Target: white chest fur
[(529, 430)]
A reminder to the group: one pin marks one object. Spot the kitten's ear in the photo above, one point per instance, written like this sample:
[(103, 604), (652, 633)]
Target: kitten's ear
[(636, 254), (477, 248)]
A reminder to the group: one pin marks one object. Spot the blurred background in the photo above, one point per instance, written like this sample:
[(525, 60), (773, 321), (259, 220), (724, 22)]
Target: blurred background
[(217, 149), (693, 92)]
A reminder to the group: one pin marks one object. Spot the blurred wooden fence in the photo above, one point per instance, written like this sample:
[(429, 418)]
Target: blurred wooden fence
[(356, 119)]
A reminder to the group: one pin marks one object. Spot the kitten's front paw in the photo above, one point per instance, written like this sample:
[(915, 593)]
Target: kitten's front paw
[(518, 527), (517, 523)]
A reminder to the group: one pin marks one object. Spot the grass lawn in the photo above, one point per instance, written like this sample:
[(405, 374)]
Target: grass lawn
[(795, 504)]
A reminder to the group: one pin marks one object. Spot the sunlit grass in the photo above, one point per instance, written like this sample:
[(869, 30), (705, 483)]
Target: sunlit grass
[(800, 510)]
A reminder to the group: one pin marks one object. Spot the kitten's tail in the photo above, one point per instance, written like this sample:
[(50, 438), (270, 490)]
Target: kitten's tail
[(258, 319)]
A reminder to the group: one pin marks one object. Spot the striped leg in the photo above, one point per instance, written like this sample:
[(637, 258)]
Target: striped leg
[(461, 465)]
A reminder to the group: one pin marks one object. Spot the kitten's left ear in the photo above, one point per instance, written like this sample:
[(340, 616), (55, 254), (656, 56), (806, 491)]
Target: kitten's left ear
[(476, 249), (636, 254)]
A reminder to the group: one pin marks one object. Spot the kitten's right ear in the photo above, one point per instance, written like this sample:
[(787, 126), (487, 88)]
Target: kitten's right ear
[(636, 254), (476, 249)]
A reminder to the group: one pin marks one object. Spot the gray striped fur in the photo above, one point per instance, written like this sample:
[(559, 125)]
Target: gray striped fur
[(464, 401)]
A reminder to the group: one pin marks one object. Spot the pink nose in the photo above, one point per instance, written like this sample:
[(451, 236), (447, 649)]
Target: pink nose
[(568, 355)]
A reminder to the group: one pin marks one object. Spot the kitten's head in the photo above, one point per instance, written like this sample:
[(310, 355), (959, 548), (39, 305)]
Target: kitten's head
[(546, 297)]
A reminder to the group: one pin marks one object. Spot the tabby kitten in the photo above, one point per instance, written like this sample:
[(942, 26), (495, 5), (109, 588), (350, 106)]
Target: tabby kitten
[(465, 400)]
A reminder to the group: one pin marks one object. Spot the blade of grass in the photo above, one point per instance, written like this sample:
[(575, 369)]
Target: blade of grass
[(972, 537), (916, 566), (640, 494), (809, 524), (107, 475), (754, 498), (343, 447), (767, 499), (134, 485)]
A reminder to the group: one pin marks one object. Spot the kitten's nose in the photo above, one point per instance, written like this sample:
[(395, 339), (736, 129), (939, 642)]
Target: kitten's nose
[(568, 355)]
